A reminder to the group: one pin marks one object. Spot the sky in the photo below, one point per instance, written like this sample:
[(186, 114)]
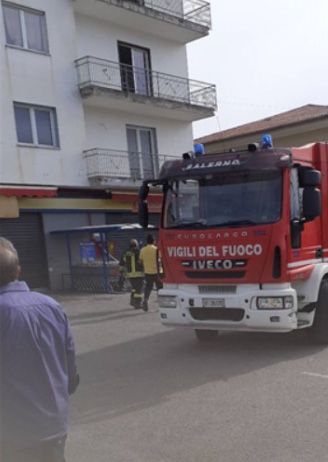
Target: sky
[(265, 57)]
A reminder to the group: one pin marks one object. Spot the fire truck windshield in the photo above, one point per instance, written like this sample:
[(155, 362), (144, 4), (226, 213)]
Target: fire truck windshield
[(234, 199)]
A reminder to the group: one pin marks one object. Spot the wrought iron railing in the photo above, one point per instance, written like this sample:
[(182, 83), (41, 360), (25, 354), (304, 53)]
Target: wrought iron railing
[(96, 72), (193, 11), (111, 163)]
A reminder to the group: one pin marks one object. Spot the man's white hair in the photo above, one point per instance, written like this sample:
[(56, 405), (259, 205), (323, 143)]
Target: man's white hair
[(9, 262), (5, 243)]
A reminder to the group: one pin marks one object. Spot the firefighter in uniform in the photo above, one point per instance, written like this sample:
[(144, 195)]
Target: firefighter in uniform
[(132, 267), (150, 259)]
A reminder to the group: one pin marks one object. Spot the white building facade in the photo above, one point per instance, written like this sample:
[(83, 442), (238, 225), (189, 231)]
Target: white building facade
[(95, 95)]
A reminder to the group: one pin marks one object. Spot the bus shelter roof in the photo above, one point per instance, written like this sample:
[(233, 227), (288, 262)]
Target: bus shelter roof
[(102, 228)]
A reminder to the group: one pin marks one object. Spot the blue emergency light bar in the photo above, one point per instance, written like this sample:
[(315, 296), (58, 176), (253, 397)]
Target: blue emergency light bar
[(266, 141), (199, 149)]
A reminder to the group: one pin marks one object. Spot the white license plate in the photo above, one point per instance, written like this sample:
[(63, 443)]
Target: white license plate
[(213, 303)]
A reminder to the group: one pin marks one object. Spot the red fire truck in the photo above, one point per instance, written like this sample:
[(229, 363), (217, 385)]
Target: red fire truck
[(244, 240)]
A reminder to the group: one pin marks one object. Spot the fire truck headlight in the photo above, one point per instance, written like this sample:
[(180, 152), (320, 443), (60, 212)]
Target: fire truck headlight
[(289, 302), (275, 303), (167, 301)]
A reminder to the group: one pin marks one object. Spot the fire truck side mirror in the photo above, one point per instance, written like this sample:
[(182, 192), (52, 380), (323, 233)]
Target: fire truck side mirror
[(143, 214), (309, 177), (311, 203)]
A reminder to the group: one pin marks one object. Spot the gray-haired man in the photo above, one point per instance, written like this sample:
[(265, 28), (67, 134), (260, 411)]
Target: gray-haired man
[(37, 368)]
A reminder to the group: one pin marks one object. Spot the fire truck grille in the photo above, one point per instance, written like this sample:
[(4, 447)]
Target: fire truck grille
[(217, 314), (213, 289), (215, 274)]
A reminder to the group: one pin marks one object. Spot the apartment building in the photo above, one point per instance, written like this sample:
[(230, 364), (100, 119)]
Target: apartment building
[(95, 95)]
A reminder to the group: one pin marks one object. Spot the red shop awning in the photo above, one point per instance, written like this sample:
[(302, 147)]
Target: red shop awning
[(133, 197), (28, 191)]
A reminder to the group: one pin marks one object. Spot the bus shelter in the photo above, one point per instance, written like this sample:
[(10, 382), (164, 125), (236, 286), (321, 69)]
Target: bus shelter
[(94, 252)]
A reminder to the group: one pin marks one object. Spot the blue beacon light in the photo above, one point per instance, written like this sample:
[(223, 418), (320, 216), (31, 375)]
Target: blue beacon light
[(199, 149), (266, 141)]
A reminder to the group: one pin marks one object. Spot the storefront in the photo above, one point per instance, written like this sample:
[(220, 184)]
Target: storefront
[(28, 216)]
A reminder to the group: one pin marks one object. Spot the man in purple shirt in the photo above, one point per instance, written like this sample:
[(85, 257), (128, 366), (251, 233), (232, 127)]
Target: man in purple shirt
[(37, 369)]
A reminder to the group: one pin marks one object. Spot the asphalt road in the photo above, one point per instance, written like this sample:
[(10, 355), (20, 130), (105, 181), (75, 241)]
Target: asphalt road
[(153, 394)]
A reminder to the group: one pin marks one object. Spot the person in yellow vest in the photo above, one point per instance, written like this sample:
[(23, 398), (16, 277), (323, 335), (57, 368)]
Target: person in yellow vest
[(149, 257), (131, 265)]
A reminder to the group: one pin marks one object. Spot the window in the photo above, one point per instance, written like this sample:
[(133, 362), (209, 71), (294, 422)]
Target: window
[(240, 199), (25, 28), (36, 125), (142, 151), (135, 69)]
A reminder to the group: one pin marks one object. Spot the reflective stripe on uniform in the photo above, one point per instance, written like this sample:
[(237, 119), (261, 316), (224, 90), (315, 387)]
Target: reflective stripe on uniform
[(132, 265)]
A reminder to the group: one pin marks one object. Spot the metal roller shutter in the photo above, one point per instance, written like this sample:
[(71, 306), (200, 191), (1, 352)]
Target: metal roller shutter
[(26, 233)]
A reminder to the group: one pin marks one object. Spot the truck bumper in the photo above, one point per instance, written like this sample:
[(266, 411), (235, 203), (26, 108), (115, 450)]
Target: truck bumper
[(237, 311)]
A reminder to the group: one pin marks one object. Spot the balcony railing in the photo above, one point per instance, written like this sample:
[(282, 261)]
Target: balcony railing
[(111, 75), (193, 11), (106, 164)]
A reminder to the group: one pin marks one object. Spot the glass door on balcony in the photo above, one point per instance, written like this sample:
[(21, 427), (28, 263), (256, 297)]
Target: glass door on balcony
[(135, 69), (142, 152)]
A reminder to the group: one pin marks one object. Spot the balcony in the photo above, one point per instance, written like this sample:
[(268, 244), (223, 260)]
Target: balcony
[(112, 85), (178, 20), (123, 168)]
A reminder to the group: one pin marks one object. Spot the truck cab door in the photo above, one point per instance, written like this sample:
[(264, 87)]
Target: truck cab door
[(305, 224)]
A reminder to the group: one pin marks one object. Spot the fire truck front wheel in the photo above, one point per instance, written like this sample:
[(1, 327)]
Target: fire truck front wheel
[(319, 329), (205, 335)]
